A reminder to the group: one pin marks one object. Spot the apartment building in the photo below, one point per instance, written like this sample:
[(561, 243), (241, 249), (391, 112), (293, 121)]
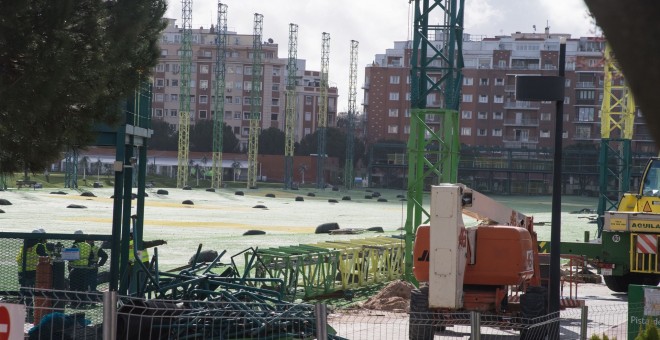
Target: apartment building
[(490, 114), (238, 79)]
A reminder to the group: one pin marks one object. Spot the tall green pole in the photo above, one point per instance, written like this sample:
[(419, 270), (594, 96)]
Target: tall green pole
[(436, 63)]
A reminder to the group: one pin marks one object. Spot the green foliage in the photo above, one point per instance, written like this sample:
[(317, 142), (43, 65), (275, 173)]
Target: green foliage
[(164, 136), (65, 65), (271, 141), (335, 145), (650, 332), (605, 337)]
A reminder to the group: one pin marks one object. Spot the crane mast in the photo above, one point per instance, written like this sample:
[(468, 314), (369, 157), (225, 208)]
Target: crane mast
[(617, 120), (290, 132), (219, 103), (350, 126), (323, 111), (436, 63), (184, 95), (255, 101)]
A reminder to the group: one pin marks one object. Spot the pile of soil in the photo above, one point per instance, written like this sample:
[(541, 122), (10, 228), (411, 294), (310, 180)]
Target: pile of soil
[(395, 296)]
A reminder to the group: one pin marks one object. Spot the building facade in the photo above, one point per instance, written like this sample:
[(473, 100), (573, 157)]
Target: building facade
[(490, 114), (238, 79)]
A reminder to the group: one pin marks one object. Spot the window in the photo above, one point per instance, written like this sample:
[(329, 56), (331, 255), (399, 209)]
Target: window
[(307, 131), (204, 69), (545, 116), (586, 114), (408, 80), (408, 96), (247, 70), (246, 131), (203, 99), (406, 129), (275, 102), (545, 134), (498, 99), (406, 113), (173, 113), (468, 81), (174, 97), (158, 112), (394, 95), (483, 81), (482, 132), (482, 115), (467, 98), (567, 100), (395, 79), (583, 132), (483, 98), (466, 131), (192, 98), (163, 53), (237, 130), (276, 87), (228, 99), (497, 133), (159, 97), (308, 116), (466, 114), (247, 101), (160, 68), (498, 115), (276, 72), (499, 81), (273, 116), (202, 114), (237, 114), (586, 95), (203, 84), (567, 83), (237, 100), (308, 100), (564, 135), (392, 129), (394, 113), (246, 115), (175, 82), (501, 63)]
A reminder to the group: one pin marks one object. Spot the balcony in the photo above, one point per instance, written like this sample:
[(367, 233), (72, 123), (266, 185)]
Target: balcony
[(585, 85), (522, 105), (519, 139), (521, 122)]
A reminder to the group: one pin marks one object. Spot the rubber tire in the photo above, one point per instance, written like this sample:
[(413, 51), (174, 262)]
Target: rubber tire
[(618, 284), (325, 228), (420, 327)]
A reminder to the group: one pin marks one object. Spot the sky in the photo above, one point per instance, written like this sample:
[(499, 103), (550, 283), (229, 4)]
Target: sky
[(376, 24)]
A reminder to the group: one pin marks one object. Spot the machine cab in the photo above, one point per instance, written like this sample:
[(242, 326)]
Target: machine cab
[(648, 197)]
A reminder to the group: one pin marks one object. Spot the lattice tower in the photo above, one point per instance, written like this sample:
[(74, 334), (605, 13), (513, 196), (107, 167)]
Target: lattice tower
[(255, 102), (184, 95), (350, 126), (290, 127), (219, 92), (323, 111)]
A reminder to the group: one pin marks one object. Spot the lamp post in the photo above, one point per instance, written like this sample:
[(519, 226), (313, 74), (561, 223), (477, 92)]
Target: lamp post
[(547, 88)]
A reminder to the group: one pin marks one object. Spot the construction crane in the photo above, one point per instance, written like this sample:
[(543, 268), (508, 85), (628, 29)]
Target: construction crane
[(323, 111), (255, 101), (350, 126), (617, 120), (184, 95), (219, 104), (436, 63), (290, 127)]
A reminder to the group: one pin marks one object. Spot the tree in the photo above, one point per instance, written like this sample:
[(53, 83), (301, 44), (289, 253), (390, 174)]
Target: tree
[(164, 136), (201, 136), (335, 144), (229, 141), (65, 66), (271, 141)]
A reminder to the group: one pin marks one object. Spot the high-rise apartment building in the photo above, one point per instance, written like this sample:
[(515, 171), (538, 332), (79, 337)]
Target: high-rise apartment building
[(238, 73), (490, 114)]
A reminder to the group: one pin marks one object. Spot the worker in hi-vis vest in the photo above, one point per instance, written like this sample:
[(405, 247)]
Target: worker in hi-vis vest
[(97, 259), (28, 258), (79, 273)]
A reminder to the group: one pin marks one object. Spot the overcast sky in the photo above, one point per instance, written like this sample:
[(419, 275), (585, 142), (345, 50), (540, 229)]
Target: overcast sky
[(376, 24)]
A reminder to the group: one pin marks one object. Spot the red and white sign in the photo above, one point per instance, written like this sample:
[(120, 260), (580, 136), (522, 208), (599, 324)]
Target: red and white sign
[(12, 318), (647, 244)]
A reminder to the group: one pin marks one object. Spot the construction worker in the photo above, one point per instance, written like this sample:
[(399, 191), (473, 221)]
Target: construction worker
[(143, 252), (97, 259), (28, 258), (79, 272)]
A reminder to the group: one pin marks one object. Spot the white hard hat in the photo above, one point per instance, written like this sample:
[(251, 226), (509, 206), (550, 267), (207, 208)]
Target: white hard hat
[(78, 232)]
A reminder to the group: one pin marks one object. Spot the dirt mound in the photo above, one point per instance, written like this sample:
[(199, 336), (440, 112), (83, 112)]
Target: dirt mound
[(395, 296)]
